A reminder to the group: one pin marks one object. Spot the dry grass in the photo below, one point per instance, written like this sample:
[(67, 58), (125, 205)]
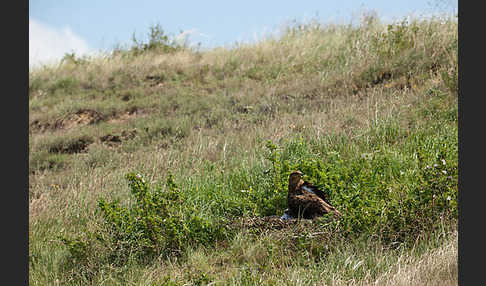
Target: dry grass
[(437, 267), (191, 109), (247, 262)]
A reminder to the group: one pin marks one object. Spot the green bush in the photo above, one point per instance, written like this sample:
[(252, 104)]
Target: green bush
[(158, 41), (397, 38), (394, 193), (72, 59), (392, 190), (158, 222)]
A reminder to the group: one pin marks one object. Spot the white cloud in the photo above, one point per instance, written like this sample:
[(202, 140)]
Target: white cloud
[(49, 44)]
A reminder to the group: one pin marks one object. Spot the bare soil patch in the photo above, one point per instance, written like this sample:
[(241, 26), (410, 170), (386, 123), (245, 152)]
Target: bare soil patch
[(82, 117), (79, 118), (78, 145), (114, 140), (127, 115)]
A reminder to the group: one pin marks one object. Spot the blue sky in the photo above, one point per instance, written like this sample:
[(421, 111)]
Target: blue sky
[(60, 26)]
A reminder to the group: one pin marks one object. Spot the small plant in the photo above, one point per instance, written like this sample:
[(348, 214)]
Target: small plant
[(71, 58), (78, 249), (397, 38), (158, 41), (437, 189)]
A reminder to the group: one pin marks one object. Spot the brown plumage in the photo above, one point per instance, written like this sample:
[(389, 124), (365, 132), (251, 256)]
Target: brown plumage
[(306, 200)]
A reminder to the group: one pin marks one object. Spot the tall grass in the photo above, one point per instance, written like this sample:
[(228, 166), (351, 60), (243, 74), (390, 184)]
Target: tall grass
[(367, 112)]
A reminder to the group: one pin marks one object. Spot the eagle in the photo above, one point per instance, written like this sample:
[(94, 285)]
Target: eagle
[(305, 200)]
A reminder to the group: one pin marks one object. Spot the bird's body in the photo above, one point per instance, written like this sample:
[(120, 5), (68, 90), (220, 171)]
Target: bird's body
[(306, 200)]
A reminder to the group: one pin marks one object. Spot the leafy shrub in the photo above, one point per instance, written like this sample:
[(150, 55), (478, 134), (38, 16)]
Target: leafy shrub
[(72, 59), (158, 41), (158, 222), (397, 38), (390, 195)]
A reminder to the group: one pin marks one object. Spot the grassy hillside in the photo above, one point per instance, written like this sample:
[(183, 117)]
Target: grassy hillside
[(160, 165)]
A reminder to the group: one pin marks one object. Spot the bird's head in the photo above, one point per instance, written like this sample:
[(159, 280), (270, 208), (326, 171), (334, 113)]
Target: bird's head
[(296, 173), (295, 177)]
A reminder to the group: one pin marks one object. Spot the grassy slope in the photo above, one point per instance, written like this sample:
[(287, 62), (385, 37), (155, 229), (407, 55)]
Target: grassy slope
[(385, 93)]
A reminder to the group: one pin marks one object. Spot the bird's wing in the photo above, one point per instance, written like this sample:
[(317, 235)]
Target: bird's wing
[(315, 193), (314, 189), (309, 203)]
